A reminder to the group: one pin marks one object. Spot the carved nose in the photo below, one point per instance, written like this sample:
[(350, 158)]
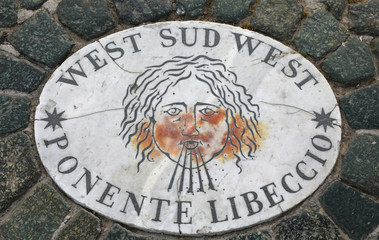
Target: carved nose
[(189, 128)]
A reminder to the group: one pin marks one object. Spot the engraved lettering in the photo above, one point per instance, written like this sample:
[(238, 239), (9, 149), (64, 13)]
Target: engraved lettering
[(250, 201), (71, 71), (269, 194), (108, 195), (133, 41), (167, 37), (89, 185), (111, 50), (214, 213), (133, 198), (57, 141), (248, 41)]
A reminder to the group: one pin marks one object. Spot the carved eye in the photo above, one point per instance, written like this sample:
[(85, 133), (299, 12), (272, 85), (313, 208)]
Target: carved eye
[(207, 112), (173, 111)]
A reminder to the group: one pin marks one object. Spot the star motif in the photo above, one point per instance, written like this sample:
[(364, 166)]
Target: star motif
[(54, 119), (323, 119)]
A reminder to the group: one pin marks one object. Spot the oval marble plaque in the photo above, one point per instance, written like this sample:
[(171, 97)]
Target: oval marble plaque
[(188, 127)]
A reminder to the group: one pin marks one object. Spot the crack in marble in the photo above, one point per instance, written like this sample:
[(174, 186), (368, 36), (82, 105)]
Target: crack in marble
[(89, 114), (222, 179), (336, 124), (125, 70), (285, 105), (299, 109)]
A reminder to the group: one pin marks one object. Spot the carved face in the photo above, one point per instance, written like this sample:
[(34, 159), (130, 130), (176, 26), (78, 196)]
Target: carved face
[(190, 119)]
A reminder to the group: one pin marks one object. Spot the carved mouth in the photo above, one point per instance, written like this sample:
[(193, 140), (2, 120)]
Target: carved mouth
[(191, 144)]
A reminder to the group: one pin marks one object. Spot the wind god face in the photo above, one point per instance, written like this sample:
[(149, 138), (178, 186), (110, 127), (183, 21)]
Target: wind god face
[(190, 120)]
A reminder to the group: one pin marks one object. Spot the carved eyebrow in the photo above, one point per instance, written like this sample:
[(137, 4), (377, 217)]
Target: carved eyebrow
[(176, 103), (205, 104)]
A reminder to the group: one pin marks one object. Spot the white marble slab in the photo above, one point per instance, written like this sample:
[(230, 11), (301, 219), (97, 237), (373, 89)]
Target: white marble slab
[(188, 127)]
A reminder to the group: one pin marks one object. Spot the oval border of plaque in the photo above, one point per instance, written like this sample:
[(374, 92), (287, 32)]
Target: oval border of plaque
[(188, 127)]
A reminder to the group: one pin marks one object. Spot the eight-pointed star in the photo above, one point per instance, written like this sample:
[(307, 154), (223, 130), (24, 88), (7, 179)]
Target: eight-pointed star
[(54, 119), (323, 119)]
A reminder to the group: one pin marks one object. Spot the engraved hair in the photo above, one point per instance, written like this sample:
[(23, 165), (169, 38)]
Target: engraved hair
[(143, 97)]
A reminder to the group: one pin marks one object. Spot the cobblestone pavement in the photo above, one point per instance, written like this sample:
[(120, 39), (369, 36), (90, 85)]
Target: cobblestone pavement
[(339, 36)]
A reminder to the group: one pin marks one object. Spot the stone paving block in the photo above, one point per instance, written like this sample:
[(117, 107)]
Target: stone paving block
[(3, 36), (360, 166), (336, 7), (254, 236), (19, 75), (190, 8), (37, 217), (8, 13), (364, 17), (88, 19), (42, 39), (18, 168), (117, 232), (307, 226), (277, 18), (14, 113), (31, 4), (83, 225), (352, 63), (135, 12), (231, 11), (375, 47), (352, 211), (319, 34), (361, 107)]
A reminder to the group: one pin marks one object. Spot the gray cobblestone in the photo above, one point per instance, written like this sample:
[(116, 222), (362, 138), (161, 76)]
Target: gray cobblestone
[(88, 19), (31, 4), (351, 63), (307, 226), (319, 34), (37, 217), (364, 17), (18, 168), (190, 8), (336, 7), (353, 211), (360, 166), (8, 13), (14, 113), (135, 12), (361, 107), (19, 75), (117, 232), (231, 11), (277, 18), (42, 39), (83, 225)]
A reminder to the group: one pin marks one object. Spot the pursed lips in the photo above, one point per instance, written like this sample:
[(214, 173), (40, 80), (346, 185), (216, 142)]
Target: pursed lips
[(190, 144)]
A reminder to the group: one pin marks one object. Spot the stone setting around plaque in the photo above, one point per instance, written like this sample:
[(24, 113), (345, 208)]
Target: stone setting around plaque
[(188, 127)]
